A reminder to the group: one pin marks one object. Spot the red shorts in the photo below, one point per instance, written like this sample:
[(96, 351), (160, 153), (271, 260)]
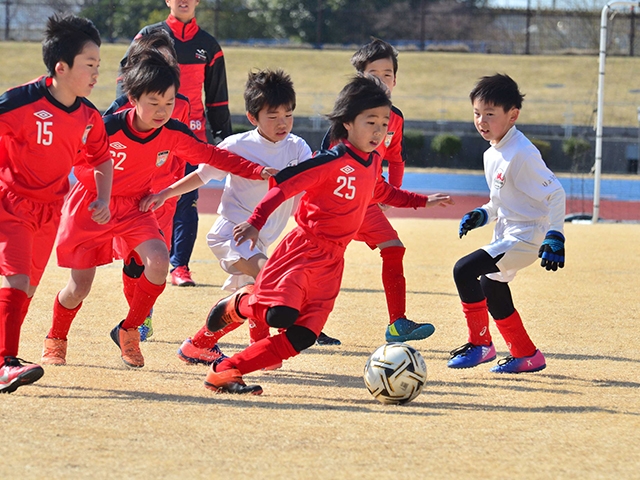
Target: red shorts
[(27, 234), (304, 273), (375, 228), (164, 216), (82, 243)]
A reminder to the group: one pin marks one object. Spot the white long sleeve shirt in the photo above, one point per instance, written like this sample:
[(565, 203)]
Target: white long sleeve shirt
[(522, 188), (240, 195)]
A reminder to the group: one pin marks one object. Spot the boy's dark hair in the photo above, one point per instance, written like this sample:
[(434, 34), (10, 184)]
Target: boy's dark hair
[(65, 38), (270, 88), (499, 90), (376, 49), (157, 39), (362, 93), (151, 73)]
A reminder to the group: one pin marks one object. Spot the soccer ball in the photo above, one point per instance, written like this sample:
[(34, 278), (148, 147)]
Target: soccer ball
[(395, 373)]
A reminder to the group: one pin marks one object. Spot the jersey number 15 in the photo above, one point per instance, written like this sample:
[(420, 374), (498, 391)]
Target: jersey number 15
[(45, 136)]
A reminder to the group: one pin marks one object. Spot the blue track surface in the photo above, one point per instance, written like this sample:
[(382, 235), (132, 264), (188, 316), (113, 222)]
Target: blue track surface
[(618, 189)]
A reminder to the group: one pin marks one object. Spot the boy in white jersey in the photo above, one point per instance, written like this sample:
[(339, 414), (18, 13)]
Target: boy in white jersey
[(528, 203), (270, 100)]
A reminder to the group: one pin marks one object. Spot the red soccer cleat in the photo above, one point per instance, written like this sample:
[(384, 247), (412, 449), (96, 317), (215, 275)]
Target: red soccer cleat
[(229, 381), (14, 374), (181, 277)]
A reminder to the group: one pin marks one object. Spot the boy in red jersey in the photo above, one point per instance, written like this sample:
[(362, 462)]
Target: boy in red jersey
[(202, 67), (43, 125), (142, 139), (170, 172), (339, 184), (380, 59)]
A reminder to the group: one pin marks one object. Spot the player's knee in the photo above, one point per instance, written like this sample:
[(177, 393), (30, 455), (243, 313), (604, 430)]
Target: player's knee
[(281, 316), (132, 269), (300, 337)]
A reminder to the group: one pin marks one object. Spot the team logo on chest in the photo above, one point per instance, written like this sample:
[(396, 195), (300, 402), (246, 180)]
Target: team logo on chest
[(43, 114), (498, 181), (162, 158), (87, 129), (201, 54), (388, 138), (347, 169)]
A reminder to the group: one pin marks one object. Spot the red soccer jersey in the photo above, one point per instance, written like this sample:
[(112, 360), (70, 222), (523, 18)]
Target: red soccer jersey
[(339, 185), (138, 156), (392, 148), (173, 169), (41, 139)]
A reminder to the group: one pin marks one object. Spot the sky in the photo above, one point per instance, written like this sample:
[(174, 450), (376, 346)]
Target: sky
[(568, 4)]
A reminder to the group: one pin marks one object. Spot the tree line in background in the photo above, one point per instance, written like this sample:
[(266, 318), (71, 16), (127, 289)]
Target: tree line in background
[(453, 25)]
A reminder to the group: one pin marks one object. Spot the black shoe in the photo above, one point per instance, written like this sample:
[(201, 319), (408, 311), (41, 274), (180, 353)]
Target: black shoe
[(324, 339)]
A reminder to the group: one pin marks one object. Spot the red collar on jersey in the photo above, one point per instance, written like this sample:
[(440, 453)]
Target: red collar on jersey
[(183, 31)]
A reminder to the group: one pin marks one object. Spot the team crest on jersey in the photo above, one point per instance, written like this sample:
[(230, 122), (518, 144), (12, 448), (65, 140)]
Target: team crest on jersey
[(87, 129), (292, 163), (347, 169), (498, 182), (388, 138), (117, 146), (201, 54), (43, 114), (162, 158)]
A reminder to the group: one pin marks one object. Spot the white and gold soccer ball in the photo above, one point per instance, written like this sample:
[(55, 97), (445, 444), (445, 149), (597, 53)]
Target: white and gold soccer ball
[(395, 373)]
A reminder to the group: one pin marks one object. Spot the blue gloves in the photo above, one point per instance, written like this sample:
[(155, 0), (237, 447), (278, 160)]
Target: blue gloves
[(473, 219), (552, 251)]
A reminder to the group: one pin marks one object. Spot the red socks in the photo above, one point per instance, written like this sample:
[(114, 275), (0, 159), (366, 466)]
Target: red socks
[(265, 353), (62, 319), (206, 339), (395, 285), (144, 296), (477, 316), (516, 337), (12, 313)]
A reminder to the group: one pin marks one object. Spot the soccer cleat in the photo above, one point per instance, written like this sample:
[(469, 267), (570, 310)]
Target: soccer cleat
[(534, 363), (470, 355), (324, 339), (226, 310), (229, 381), (191, 354), (129, 343), (181, 277), (13, 374), (403, 330), (146, 329), (54, 352)]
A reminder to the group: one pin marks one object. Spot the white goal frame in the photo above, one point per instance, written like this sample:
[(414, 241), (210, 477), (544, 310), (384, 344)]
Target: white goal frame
[(599, 111)]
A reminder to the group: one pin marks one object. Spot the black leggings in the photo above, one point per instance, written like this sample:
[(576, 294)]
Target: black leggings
[(473, 286)]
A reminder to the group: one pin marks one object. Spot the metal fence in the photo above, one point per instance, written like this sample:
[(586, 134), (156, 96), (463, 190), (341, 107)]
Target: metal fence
[(433, 26)]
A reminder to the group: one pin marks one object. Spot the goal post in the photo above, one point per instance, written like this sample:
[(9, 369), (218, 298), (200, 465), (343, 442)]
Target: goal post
[(611, 6)]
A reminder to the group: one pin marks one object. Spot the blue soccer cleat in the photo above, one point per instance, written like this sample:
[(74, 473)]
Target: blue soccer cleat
[(403, 330), (470, 355), (534, 363), (146, 329)]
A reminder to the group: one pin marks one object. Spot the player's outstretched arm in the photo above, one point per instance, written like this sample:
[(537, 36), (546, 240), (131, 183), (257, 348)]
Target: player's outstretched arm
[(552, 251), (245, 231), (184, 185), (474, 219), (441, 199), (103, 175)]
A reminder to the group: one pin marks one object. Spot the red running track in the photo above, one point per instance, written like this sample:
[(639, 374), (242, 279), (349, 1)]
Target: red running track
[(609, 210)]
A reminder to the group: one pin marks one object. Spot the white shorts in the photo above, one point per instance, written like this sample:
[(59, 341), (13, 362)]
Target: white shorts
[(520, 243), (221, 242)]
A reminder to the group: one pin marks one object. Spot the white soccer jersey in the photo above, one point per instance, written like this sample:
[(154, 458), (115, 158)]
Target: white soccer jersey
[(522, 188), (240, 195)]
